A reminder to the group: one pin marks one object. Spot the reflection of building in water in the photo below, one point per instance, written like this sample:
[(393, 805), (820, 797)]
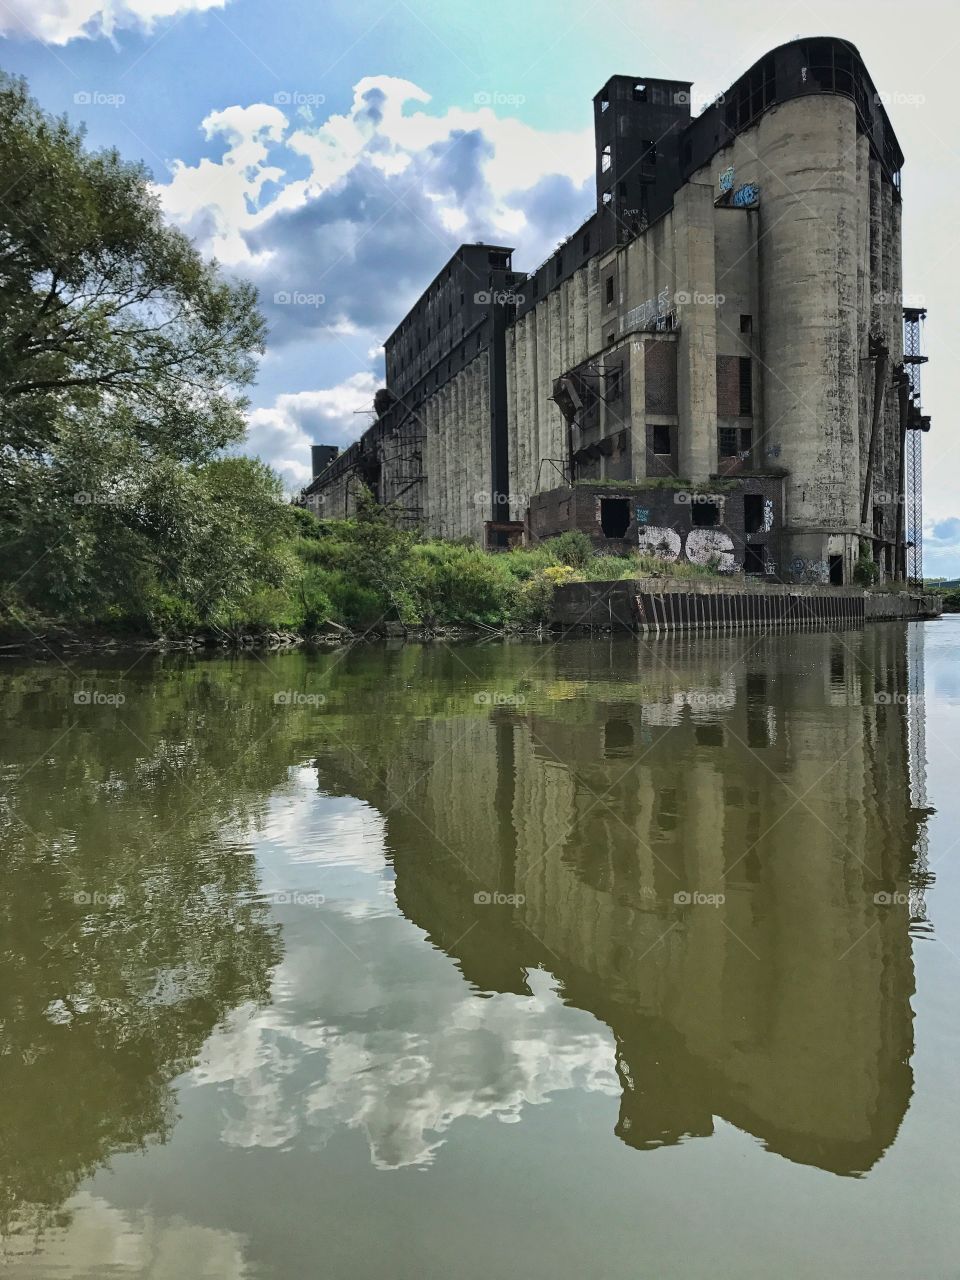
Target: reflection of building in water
[(917, 739), (715, 861)]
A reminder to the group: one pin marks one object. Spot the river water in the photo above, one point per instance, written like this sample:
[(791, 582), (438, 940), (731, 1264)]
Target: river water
[(579, 959)]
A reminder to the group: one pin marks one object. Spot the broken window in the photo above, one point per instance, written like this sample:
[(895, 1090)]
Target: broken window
[(614, 380), (609, 289), (639, 92), (753, 560), (661, 440), (836, 571), (746, 386), (705, 513), (606, 158), (728, 442), (752, 512), (614, 517)]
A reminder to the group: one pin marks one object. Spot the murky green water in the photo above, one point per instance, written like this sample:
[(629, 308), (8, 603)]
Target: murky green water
[(559, 960)]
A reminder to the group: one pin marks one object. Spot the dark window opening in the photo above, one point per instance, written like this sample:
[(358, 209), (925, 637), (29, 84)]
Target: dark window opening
[(709, 735), (639, 93), (752, 512), (746, 324), (609, 288), (667, 810), (586, 242), (611, 338), (661, 440), (605, 100), (705, 514), (753, 560), (606, 158), (614, 381), (756, 686), (558, 269), (499, 260), (837, 669), (746, 386), (836, 571), (614, 517), (617, 738), (728, 442)]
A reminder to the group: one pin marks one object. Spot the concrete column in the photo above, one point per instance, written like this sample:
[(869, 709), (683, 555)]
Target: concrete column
[(697, 355)]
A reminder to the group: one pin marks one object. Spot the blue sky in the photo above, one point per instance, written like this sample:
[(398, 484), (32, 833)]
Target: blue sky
[(336, 153)]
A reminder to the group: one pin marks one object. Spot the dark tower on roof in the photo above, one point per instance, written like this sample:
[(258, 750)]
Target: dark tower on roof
[(637, 124)]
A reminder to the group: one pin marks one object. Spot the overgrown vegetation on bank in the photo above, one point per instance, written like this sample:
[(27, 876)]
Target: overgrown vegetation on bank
[(255, 564)]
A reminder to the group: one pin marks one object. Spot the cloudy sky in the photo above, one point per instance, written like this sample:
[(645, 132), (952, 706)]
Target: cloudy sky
[(337, 153)]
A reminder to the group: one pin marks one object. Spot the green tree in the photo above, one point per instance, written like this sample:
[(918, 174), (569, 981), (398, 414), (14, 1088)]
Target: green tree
[(102, 303)]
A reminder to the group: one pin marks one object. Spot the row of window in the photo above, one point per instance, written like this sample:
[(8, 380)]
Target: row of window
[(732, 442)]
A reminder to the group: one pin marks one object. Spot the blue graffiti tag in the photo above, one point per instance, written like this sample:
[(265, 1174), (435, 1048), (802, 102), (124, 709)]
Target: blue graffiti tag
[(747, 196)]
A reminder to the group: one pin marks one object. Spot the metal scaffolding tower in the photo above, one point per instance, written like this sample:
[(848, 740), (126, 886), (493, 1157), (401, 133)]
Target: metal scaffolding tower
[(916, 424)]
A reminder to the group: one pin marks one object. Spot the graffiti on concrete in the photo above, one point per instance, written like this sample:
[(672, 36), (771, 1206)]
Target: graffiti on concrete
[(706, 546), (661, 541), (767, 515), (726, 179), (653, 309), (746, 197), (643, 515), (703, 546)]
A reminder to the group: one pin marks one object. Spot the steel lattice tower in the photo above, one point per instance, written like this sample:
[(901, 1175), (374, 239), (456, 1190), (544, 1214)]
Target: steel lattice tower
[(913, 318)]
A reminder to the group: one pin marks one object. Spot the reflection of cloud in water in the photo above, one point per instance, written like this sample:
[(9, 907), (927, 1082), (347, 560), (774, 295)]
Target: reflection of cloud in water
[(99, 1238), (303, 827), (449, 1054)]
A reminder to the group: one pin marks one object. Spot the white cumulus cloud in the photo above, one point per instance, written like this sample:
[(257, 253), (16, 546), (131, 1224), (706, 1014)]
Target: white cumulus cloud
[(60, 21)]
